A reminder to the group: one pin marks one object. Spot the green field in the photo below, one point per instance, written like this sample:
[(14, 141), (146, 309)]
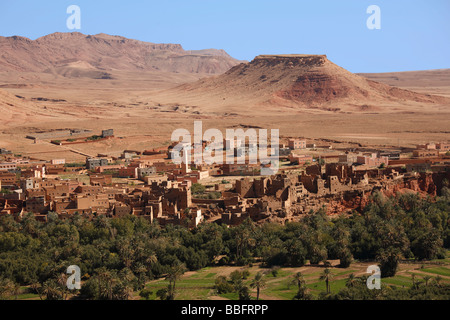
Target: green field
[(442, 271), (399, 280), (199, 285)]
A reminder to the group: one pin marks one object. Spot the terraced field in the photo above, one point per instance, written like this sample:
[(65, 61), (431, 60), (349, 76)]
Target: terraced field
[(199, 285)]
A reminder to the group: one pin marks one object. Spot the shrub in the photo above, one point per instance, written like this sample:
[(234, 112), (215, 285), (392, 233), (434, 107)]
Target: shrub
[(222, 285), (275, 271), (90, 289), (198, 188), (146, 293), (224, 261), (235, 276), (94, 138), (346, 259), (244, 293)]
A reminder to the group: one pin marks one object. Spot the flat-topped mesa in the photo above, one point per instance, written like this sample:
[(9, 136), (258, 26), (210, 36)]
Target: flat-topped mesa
[(298, 81), (53, 53), (293, 60)]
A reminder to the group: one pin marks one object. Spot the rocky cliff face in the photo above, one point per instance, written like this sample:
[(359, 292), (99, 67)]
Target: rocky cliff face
[(281, 61), (106, 52), (426, 184)]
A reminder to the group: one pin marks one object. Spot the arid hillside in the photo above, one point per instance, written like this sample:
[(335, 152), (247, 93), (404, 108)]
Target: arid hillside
[(425, 78), (75, 54), (429, 81), (145, 91), (310, 82), (16, 109)]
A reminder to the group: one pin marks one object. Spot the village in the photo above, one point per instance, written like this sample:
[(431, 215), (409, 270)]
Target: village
[(149, 184)]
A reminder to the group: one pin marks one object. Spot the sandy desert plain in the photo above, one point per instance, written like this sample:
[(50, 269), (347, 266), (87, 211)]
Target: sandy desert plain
[(301, 95)]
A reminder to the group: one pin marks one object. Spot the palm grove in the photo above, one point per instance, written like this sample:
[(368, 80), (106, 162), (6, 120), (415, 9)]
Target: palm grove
[(119, 256)]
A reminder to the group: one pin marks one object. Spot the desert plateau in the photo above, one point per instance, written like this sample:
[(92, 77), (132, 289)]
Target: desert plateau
[(145, 91)]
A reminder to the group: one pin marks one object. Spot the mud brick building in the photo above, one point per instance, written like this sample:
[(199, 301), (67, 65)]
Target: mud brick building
[(147, 171), (300, 159), (372, 160), (288, 196), (58, 161), (443, 146), (425, 153), (36, 171), (8, 179), (149, 180), (128, 172), (100, 179), (8, 166), (295, 144), (92, 163), (240, 169), (109, 133), (348, 159), (11, 207), (3, 151), (37, 205), (213, 169), (428, 146)]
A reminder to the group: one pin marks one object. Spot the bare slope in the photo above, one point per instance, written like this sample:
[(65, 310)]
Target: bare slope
[(75, 54), (425, 78), (17, 109), (426, 81), (300, 82)]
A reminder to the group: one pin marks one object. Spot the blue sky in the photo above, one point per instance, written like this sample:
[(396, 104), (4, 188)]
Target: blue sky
[(414, 35)]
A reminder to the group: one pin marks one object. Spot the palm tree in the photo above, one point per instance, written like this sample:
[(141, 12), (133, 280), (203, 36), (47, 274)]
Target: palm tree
[(141, 271), (438, 280), (126, 253), (151, 259), (126, 275), (415, 284), (258, 283), (327, 276), (105, 283), (303, 291), (16, 290), (123, 291), (413, 279), (299, 280), (303, 294), (62, 283), (51, 290), (427, 278), (351, 281), (7, 289), (37, 287), (175, 272)]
